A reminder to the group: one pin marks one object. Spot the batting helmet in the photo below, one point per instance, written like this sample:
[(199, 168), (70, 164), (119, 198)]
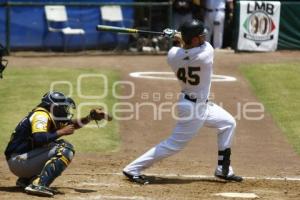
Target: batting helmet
[(190, 29), (59, 105)]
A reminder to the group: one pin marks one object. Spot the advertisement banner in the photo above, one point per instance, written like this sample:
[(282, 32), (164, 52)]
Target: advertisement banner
[(259, 25)]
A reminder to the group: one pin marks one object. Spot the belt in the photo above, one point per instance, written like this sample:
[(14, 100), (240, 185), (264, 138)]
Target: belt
[(212, 10), (194, 100)]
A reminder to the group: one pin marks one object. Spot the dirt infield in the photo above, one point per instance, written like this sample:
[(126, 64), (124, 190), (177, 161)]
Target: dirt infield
[(259, 150)]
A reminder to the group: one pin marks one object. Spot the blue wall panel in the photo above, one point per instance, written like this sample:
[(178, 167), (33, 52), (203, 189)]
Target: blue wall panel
[(2, 25), (29, 28)]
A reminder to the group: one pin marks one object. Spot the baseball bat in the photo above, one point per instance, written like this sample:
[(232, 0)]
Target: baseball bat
[(124, 30)]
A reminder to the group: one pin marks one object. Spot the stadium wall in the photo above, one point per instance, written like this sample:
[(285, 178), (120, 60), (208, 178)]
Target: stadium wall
[(28, 28)]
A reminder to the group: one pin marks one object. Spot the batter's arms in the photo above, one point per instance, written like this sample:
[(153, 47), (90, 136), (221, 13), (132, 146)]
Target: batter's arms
[(177, 40), (175, 35)]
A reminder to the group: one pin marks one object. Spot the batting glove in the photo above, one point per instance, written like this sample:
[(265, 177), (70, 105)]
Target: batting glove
[(169, 33)]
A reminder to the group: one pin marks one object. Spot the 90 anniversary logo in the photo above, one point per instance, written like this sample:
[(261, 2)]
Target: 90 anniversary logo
[(259, 24)]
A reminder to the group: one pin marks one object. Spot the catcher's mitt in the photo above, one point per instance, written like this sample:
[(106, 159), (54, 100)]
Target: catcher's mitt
[(98, 114)]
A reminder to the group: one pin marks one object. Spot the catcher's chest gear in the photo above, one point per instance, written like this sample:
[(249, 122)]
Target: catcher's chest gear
[(37, 121)]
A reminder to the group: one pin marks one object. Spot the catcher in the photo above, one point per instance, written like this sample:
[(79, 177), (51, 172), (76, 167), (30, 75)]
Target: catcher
[(3, 62), (35, 153)]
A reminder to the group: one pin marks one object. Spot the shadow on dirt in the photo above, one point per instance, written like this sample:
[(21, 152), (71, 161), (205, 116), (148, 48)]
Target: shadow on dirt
[(84, 191), (11, 189), (78, 190), (163, 180), (57, 190), (160, 180)]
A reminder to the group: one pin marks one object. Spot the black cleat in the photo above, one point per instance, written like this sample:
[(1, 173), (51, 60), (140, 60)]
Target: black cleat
[(230, 178), (140, 179), (23, 182), (39, 190)]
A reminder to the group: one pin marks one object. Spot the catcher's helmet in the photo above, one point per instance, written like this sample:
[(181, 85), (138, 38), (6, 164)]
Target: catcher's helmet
[(3, 62), (190, 29), (59, 105)]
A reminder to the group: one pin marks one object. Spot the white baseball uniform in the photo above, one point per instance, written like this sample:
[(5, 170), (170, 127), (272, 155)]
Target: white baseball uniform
[(214, 21), (193, 68)]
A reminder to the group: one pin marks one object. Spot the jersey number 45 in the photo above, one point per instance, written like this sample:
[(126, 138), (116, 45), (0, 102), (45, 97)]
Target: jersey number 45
[(189, 75)]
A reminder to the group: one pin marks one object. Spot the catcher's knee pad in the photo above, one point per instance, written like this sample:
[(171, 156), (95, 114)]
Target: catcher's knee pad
[(65, 151), (65, 143)]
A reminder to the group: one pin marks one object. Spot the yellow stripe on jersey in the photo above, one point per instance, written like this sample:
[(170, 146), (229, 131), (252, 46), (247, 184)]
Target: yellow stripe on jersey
[(41, 120)]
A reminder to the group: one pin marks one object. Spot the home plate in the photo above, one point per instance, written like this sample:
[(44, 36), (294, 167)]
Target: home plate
[(237, 195)]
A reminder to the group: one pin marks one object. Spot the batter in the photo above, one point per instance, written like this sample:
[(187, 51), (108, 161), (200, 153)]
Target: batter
[(193, 66)]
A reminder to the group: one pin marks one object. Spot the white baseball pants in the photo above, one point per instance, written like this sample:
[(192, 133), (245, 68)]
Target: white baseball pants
[(214, 21), (192, 117)]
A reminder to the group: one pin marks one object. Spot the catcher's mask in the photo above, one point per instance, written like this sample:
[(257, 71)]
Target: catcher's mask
[(59, 105), (3, 62), (192, 28)]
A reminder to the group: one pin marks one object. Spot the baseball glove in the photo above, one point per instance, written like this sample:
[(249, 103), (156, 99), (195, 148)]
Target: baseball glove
[(98, 114)]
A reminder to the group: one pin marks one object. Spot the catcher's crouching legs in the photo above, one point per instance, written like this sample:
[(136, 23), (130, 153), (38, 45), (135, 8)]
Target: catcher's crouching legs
[(64, 153)]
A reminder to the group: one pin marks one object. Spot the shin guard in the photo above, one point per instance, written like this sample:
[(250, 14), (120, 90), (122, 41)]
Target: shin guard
[(56, 165)]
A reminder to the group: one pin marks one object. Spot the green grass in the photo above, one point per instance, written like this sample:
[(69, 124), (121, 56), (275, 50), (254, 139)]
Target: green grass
[(22, 88), (278, 88)]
